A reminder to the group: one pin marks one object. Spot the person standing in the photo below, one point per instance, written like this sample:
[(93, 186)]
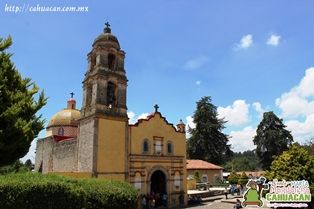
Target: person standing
[(144, 202), (164, 199), (232, 190), (226, 192), (152, 203)]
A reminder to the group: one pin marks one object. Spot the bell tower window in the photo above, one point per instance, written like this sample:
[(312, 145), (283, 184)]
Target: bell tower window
[(111, 97), (111, 61)]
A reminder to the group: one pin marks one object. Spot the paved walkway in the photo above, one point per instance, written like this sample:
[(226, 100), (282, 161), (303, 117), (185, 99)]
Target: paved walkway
[(219, 202)]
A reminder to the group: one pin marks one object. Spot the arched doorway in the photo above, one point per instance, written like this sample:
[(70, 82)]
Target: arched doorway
[(158, 182)]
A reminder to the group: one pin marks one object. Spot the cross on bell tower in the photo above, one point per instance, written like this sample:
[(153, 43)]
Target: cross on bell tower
[(156, 107), (107, 24)]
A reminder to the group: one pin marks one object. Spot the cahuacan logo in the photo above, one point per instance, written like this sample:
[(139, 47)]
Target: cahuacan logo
[(288, 193), (252, 196)]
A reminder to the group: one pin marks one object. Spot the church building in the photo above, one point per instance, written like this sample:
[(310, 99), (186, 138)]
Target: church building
[(98, 141)]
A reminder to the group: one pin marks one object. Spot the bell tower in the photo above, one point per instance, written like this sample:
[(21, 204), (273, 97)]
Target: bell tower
[(102, 141), (105, 83)]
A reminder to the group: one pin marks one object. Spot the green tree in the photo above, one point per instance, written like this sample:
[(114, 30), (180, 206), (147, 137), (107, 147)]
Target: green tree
[(233, 177), (197, 177), (292, 165), (271, 139), (246, 161), (243, 164), (243, 178), (29, 164), (19, 124), (207, 142), (309, 146), (15, 167)]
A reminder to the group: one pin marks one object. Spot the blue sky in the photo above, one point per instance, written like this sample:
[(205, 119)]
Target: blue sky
[(249, 56)]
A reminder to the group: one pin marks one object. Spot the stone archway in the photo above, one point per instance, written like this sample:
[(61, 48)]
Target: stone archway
[(158, 180), (158, 173)]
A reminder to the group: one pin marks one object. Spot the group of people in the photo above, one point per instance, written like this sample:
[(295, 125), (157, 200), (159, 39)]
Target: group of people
[(194, 199), (154, 200), (238, 189)]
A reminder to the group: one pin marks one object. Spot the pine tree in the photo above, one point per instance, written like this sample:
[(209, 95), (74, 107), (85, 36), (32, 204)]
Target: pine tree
[(243, 178), (271, 139), (197, 177), (19, 124), (207, 142), (233, 177)]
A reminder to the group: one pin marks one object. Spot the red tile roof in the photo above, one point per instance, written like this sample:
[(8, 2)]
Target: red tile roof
[(201, 165), (253, 173)]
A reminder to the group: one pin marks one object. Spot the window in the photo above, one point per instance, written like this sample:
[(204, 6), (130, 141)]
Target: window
[(145, 146), (111, 61), (111, 98), (169, 148), (204, 178), (60, 131)]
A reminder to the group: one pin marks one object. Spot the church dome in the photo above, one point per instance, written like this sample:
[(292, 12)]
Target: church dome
[(107, 36), (66, 117)]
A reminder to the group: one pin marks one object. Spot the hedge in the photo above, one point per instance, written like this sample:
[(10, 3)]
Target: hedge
[(38, 191)]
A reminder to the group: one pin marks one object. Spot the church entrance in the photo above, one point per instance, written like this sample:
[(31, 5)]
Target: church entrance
[(158, 182), (158, 185)]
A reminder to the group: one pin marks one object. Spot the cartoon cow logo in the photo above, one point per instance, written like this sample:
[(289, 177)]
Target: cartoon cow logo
[(252, 196)]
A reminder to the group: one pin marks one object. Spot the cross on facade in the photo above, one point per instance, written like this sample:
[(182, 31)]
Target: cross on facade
[(72, 94), (156, 107), (107, 24)]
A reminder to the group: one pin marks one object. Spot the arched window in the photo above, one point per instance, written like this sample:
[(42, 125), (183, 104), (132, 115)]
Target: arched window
[(204, 178), (111, 61), (111, 96), (145, 146), (169, 148), (60, 131)]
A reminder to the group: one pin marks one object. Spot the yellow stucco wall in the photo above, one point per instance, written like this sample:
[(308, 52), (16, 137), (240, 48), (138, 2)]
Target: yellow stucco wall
[(191, 184), (158, 127), (111, 148), (143, 165), (210, 174)]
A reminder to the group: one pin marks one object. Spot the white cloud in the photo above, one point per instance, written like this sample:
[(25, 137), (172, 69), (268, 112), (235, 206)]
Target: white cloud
[(198, 83), (131, 116), (195, 63), (258, 107), (133, 120), (31, 153), (303, 130), (243, 140), (237, 114), (143, 116), (299, 100), (189, 123), (273, 40), (245, 42)]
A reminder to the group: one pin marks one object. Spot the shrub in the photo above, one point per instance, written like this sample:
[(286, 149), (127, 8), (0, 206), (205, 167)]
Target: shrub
[(37, 191)]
